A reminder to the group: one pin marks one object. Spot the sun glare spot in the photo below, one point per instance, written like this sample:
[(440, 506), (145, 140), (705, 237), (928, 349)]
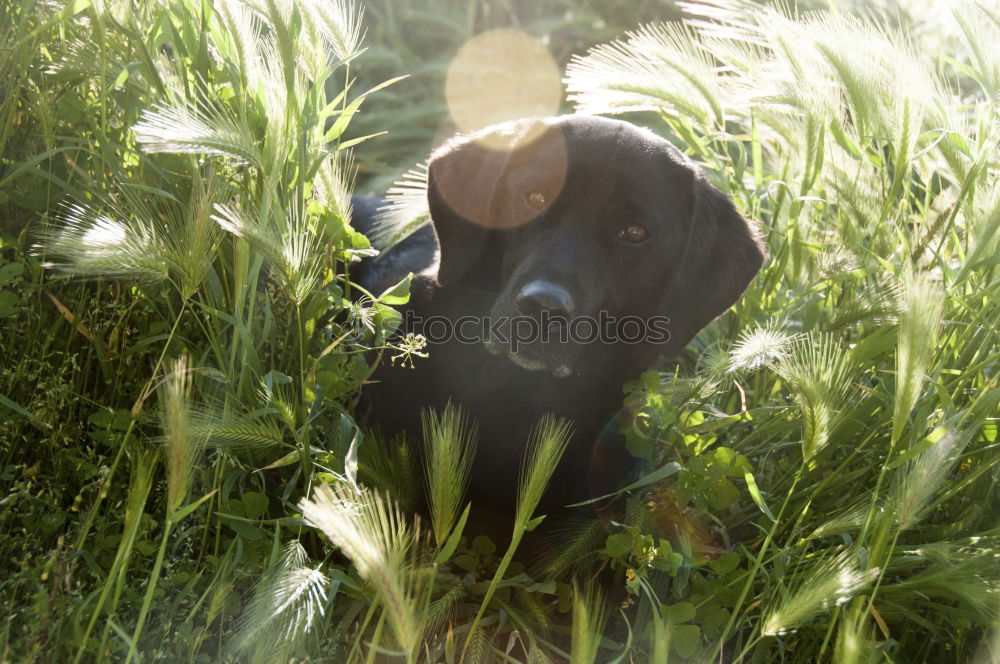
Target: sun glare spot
[(501, 75), (105, 232)]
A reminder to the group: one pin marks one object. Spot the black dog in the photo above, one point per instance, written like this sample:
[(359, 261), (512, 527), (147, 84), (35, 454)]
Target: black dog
[(567, 254)]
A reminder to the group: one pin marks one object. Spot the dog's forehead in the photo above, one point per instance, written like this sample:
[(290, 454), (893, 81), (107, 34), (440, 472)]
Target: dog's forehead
[(617, 158), (611, 138), (617, 163)]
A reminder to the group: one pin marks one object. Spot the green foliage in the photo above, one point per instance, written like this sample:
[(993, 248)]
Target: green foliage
[(195, 172), (867, 344)]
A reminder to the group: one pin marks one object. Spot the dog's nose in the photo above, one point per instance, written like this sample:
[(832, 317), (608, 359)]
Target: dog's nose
[(539, 295)]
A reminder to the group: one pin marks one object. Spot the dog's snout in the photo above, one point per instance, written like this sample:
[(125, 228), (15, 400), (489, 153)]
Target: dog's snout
[(539, 295)]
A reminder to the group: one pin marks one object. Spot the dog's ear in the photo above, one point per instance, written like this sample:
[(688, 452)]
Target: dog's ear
[(483, 184), (461, 180), (723, 254)]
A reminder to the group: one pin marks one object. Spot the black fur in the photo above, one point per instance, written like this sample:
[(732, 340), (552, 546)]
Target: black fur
[(542, 203)]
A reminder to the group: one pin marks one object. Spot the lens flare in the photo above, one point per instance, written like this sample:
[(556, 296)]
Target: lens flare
[(504, 176), (501, 75)]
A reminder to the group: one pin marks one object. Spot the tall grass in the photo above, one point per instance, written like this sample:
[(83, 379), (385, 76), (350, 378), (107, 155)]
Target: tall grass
[(208, 190), (869, 156)]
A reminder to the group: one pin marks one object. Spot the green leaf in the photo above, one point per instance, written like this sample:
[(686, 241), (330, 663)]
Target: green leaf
[(254, 504), (708, 426), (725, 563), (712, 621), (74, 7), (122, 77), (640, 447), (666, 560), (483, 545), (51, 522), (678, 613), (755, 494), (187, 509), (7, 403), (398, 294), (618, 545), (345, 116), (920, 447), (8, 304), (685, 639), (387, 319), (722, 493), (664, 471), (289, 459), (241, 527), (273, 377), (451, 543), (232, 507), (534, 523), (354, 141), (10, 271)]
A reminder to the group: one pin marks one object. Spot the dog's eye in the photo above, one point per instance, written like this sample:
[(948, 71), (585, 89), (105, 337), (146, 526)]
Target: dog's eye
[(535, 199), (633, 234)]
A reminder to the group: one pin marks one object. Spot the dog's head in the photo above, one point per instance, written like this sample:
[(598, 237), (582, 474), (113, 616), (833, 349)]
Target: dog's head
[(589, 231)]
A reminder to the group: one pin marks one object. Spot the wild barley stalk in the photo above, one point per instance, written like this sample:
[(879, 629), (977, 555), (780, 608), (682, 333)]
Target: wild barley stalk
[(136, 407), (824, 586), (589, 616), (287, 603), (758, 561), (373, 533), (819, 374), (922, 310), (545, 448), (449, 449), (855, 643), (181, 450), (143, 465)]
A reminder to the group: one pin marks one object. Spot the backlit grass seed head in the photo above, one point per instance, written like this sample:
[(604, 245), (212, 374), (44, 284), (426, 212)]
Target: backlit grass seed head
[(808, 80), (291, 246), (658, 67), (714, 363), (589, 616), (340, 23), (983, 219), (194, 248), (850, 520), (874, 304), (924, 476), (286, 605), (333, 185), (373, 533), (239, 40), (449, 449), (94, 244), (819, 590), (405, 209), (182, 445), (247, 39), (545, 448), (141, 234), (921, 310), (819, 372), (197, 127), (758, 347)]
